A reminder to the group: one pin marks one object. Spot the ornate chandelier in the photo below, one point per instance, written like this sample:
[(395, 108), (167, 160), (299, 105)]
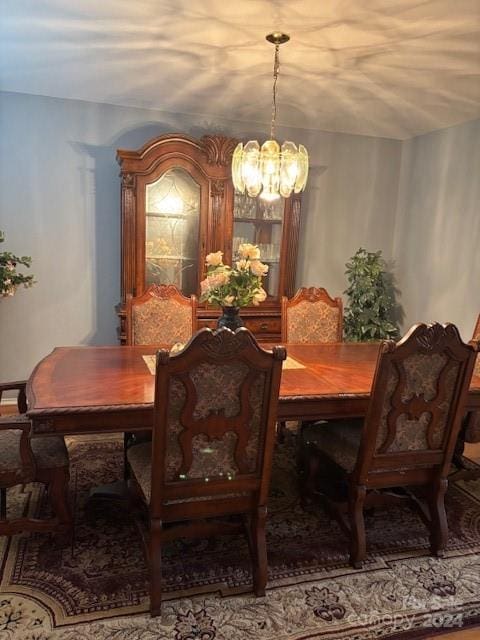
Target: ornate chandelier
[(270, 171)]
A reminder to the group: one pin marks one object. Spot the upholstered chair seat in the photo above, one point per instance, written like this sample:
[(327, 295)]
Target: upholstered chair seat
[(49, 452), (25, 458), (139, 458), (339, 440)]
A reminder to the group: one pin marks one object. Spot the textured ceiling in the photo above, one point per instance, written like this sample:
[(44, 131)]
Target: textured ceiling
[(393, 68)]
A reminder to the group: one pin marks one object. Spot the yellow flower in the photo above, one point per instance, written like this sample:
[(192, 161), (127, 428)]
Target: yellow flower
[(249, 251), (228, 301), (258, 268), (242, 265), (259, 295), (214, 259)]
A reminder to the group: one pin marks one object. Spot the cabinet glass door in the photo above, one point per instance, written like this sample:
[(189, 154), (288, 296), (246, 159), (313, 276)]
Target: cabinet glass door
[(259, 222), (172, 230)]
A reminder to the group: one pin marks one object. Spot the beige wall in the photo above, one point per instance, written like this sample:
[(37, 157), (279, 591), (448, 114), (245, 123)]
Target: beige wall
[(350, 203), (417, 201), (437, 231), (59, 203)]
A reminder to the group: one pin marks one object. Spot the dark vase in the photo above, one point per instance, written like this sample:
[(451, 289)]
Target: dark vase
[(230, 318)]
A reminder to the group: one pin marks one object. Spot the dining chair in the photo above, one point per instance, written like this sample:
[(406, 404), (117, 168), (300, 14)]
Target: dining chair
[(25, 459), (470, 432), (211, 454), (161, 315), (407, 439), (312, 317)]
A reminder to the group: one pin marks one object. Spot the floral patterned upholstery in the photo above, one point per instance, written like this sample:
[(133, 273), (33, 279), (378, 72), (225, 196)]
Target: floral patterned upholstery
[(312, 322), (49, 452), (161, 320), (422, 373), (216, 457)]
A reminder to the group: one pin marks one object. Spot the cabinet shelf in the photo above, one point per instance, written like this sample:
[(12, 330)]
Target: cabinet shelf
[(169, 216), (163, 257)]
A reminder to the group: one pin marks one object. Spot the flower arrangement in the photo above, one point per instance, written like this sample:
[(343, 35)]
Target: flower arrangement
[(237, 286), (10, 279)]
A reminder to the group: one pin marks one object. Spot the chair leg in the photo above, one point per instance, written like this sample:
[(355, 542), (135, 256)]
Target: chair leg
[(58, 491), (358, 545), (259, 551), (3, 503), (438, 518), (155, 567)]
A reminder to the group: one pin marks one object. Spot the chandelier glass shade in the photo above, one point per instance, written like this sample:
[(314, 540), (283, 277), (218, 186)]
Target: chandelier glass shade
[(270, 171)]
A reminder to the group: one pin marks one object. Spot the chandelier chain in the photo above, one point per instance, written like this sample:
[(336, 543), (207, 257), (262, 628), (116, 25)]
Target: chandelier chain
[(276, 69)]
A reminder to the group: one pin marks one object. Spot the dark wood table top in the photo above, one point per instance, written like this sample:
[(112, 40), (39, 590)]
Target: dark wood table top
[(96, 381)]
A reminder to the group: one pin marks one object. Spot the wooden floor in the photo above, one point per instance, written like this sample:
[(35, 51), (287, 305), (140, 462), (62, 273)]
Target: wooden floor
[(470, 634), (472, 451)]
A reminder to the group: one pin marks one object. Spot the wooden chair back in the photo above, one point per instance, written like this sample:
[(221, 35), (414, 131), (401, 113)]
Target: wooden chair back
[(312, 316), (476, 338), (214, 425), (418, 395), (161, 315), (472, 421)]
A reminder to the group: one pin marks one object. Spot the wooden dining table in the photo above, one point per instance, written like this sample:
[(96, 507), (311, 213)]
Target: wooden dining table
[(91, 390)]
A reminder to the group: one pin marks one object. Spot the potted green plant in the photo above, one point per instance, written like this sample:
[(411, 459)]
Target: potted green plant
[(371, 302), (10, 279)]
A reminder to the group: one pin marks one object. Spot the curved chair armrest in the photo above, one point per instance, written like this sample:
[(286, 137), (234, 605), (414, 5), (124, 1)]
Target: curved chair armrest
[(20, 386), (26, 472)]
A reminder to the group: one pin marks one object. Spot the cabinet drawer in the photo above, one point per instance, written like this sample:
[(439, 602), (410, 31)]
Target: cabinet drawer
[(260, 326), (202, 323)]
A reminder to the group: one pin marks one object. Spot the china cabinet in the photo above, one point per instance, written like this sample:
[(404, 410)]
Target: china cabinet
[(178, 204)]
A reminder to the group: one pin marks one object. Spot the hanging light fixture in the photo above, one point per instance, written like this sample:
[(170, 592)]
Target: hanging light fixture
[(270, 171)]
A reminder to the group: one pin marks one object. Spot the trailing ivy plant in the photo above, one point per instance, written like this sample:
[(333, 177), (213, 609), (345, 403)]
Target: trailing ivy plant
[(10, 279), (371, 303)]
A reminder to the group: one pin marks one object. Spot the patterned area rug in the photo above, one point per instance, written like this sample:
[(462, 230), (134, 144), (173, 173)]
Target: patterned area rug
[(97, 587)]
